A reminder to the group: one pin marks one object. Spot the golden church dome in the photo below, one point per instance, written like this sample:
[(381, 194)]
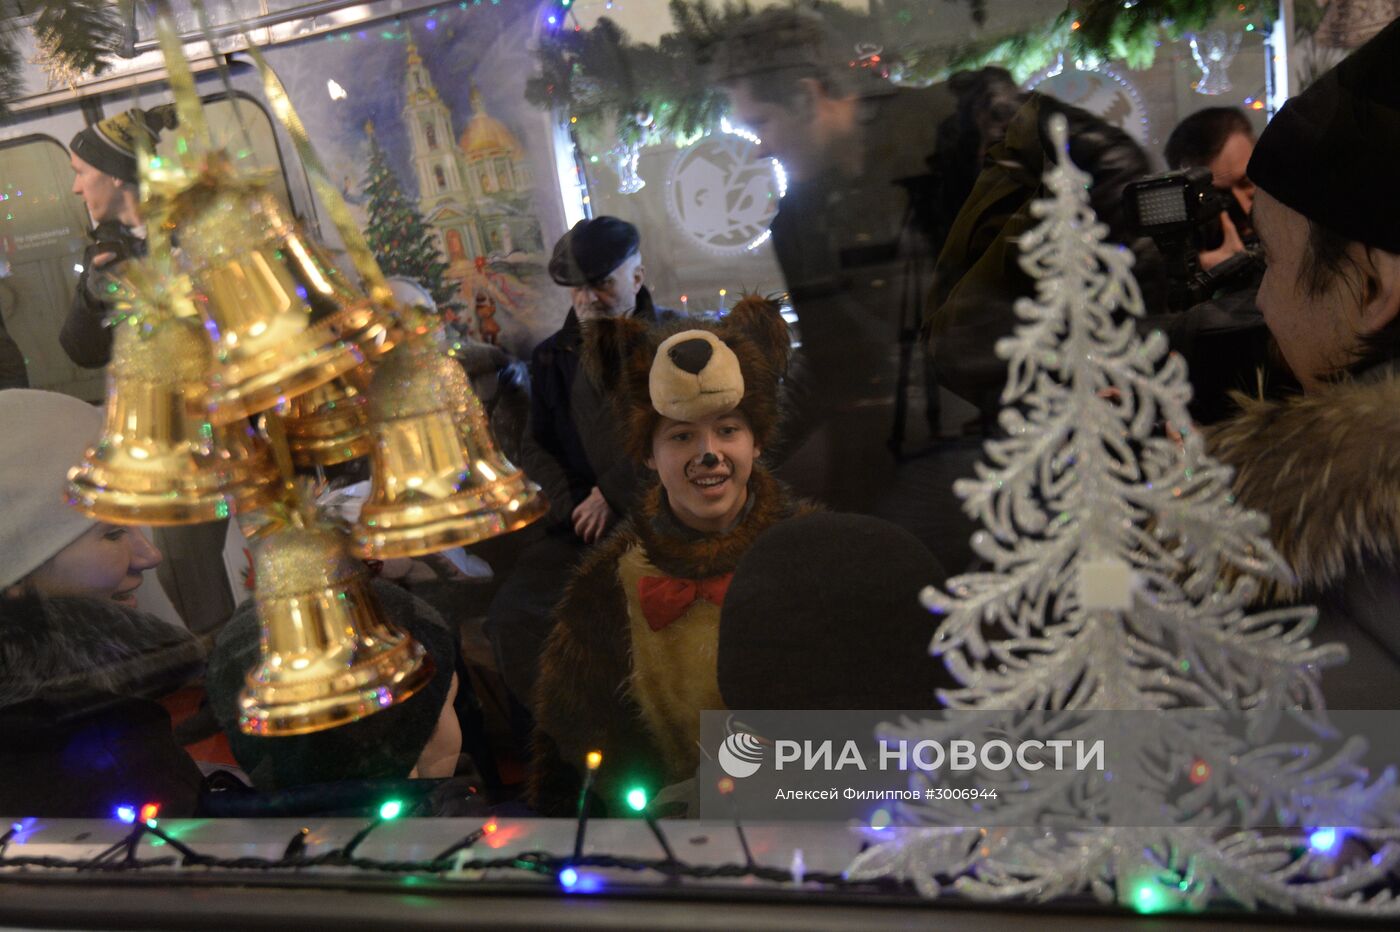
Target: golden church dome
[(485, 135)]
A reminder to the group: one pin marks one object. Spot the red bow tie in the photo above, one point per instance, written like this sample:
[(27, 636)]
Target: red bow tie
[(665, 598)]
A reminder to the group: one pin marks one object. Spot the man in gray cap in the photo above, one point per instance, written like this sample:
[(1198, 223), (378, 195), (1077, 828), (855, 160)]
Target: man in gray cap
[(571, 445)]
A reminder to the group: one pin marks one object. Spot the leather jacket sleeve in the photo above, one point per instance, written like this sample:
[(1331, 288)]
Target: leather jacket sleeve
[(978, 275), (13, 372), (85, 337)]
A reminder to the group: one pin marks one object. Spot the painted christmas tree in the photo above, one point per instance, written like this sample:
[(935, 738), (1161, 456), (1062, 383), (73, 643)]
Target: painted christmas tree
[(402, 243), (1121, 577)]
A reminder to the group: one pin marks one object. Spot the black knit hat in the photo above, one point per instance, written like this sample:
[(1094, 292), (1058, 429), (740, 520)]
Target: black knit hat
[(1330, 153), (592, 249), (110, 145), (385, 745), (823, 613)]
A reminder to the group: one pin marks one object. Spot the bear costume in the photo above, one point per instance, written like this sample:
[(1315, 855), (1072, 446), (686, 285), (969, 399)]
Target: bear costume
[(617, 677)]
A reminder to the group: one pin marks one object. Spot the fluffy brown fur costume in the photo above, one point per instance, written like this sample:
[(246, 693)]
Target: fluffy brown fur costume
[(599, 687), (1324, 469)]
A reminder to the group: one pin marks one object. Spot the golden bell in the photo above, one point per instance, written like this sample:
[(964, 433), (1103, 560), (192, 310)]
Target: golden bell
[(329, 424), (158, 460), (282, 317), (438, 479), (329, 656)]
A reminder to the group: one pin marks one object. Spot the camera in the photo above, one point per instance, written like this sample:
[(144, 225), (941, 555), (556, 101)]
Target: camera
[(1180, 211)]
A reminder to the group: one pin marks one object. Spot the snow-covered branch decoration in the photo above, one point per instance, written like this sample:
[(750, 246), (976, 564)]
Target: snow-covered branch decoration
[(1121, 575)]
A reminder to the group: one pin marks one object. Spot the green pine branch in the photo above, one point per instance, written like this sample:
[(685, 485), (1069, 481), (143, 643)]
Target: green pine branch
[(607, 82), (81, 35), (85, 33)]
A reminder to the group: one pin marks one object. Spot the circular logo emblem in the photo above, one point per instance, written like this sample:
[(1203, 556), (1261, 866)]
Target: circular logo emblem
[(741, 755), (1100, 90), (722, 196)]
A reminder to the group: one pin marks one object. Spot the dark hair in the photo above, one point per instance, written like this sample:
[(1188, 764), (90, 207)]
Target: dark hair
[(1327, 260), (773, 51), (990, 94), (1198, 139)]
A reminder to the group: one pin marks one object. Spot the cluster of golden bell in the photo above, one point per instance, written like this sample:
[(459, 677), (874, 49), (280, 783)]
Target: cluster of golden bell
[(264, 355)]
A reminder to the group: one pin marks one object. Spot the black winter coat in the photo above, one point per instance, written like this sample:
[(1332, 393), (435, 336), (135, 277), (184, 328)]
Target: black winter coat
[(978, 276), (571, 443), (85, 337), (81, 732)]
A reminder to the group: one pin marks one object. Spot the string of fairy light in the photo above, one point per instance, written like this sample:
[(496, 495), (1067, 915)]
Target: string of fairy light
[(573, 873)]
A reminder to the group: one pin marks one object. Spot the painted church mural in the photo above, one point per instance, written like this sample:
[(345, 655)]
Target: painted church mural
[(441, 158)]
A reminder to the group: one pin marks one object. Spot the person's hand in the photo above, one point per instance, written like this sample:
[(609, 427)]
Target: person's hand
[(592, 516), (102, 258), (1231, 245)]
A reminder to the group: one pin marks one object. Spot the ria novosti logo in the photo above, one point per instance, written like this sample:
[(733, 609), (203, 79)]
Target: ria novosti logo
[(741, 755)]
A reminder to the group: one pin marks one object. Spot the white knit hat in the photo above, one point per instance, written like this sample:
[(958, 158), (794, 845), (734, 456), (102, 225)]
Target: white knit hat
[(42, 436)]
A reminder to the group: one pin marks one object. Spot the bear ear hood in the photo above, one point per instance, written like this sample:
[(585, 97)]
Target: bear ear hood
[(694, 375), (691, 369)]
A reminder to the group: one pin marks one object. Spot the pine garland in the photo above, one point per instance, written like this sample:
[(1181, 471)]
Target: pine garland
[(78, 37), (83, 33), (615, 91)]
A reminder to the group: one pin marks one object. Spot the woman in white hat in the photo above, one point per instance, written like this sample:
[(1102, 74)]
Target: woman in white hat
[(79, 664)]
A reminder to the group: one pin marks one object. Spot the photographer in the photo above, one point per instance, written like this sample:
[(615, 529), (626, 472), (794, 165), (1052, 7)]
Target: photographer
[(863, 213), (105, 176), (978, 277), (1198, 215), (1221, 140)]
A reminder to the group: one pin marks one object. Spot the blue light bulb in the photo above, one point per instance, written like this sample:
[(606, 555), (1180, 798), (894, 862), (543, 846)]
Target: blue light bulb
[(1324, 840)]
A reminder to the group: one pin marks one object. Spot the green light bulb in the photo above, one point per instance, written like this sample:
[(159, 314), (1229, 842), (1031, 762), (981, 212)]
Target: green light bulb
[(637, 799), (391, 809)]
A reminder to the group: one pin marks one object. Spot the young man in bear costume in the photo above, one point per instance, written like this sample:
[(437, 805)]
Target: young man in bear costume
[(630, 663)]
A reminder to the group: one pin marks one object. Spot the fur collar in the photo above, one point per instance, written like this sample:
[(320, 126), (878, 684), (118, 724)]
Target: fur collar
[(695, 556), (1324, 469)]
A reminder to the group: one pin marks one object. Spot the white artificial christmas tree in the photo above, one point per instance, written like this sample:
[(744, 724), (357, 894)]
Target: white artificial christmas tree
[(1121, 574)]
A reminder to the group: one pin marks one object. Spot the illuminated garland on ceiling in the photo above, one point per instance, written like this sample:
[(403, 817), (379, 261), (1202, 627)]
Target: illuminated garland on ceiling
[(614, 91)]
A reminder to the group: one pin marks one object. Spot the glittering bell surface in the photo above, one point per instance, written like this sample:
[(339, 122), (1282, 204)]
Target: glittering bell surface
[(438, 480), (281, 317), (297, 561), (155, 462), (329, 655), (329, 424)]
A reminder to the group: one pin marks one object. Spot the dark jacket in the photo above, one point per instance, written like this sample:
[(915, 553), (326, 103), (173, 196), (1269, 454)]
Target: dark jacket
[(844, 247), (1323, 468), (13, 371), (571, 443), (82, 734), (978, 276), (85, 337)]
